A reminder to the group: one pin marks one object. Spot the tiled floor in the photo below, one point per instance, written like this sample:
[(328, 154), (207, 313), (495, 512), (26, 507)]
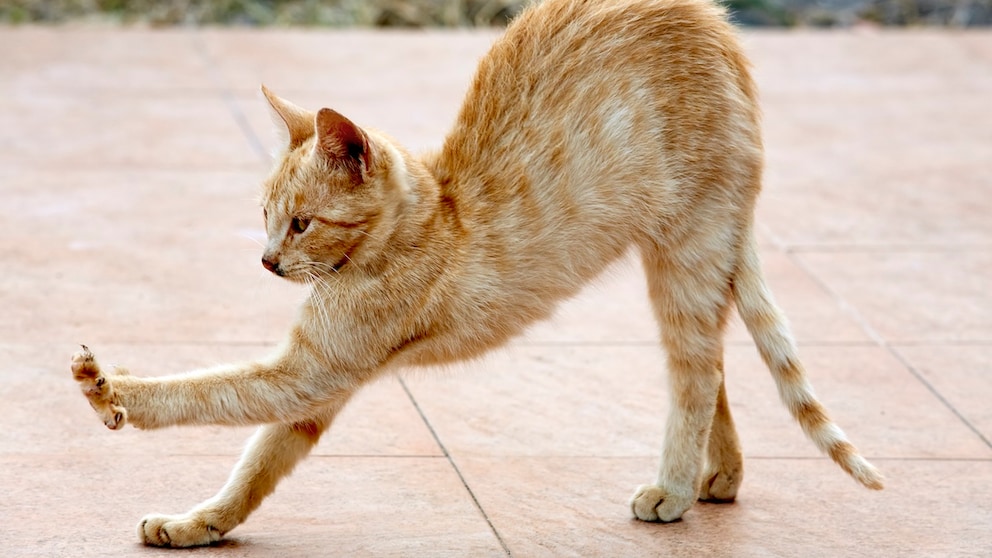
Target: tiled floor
[(128, 165)]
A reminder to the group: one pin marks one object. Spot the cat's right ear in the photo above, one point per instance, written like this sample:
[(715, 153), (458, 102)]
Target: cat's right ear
[(293, 124)]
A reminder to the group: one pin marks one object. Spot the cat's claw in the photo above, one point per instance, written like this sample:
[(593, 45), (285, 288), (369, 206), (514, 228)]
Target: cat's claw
[(654, 503), (177, 531), (98, 389)]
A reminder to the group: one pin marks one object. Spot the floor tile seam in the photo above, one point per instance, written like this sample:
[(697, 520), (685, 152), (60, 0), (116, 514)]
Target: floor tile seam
[(109, 167), (101, 170), (233, 455), (872, 248), (747, 457), (398, 456), (941, 343), (159, 342), (451, 462), (58, 345), (226, 94), (877, 458), (863, 322), (733, 343), (894, 351), (486, 457), (128, 94)]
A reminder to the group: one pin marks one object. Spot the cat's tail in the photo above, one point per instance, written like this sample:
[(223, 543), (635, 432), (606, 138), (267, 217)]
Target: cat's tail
[(770, 331)]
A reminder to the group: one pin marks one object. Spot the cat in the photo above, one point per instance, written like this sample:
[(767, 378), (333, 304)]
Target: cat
[(591, 127)]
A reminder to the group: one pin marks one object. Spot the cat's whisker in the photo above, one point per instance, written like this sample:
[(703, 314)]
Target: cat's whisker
[(253, 239), (511, 225), (316, 284), (368, 234), (323, 266)]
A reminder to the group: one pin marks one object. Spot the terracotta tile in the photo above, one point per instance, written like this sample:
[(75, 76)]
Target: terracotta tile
[(881, 406), (913, 296), (978, 46), (138, 256), (415, 101), (61, 60), (835, 185), (615, 308), (961, 374), (881, 149), (418, 123), (900, 61), (127, 163), (567, 400), (579, 507), (874, 209), (329, 505), (94, 131), (324, 60), (46, 415)]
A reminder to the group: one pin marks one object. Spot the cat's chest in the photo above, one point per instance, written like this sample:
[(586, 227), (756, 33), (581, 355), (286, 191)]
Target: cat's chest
[(354, 329)]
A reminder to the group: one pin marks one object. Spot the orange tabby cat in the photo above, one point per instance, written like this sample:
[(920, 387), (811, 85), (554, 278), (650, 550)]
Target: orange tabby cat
[(589, 127)]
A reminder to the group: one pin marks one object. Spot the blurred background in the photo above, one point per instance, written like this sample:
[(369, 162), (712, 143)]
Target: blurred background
[(466, 13)]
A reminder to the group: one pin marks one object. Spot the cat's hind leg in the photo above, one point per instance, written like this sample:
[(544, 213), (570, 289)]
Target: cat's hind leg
[(724, 470), (272, 454), (691, 296)]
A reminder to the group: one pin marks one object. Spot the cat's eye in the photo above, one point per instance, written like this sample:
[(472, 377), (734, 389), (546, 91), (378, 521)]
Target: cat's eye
[(299, 224)]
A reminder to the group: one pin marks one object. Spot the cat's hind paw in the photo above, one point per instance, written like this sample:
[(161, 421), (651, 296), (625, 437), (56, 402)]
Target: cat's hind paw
[(654, 503), (98, 389), (177, 531), (720, 487)]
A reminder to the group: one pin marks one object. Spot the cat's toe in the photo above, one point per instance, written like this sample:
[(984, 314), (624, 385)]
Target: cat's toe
[(720, 487), (115, 418), (177, 531), (655, 503), (84, 366)]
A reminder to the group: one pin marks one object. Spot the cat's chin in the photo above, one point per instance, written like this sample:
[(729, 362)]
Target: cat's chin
[(328, 270)]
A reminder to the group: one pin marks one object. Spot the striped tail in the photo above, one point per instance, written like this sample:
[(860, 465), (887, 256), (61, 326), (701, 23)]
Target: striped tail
[(768, 327)]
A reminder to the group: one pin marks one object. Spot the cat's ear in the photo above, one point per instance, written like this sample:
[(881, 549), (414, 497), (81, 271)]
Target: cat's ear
[(293, 124), (341, 140)]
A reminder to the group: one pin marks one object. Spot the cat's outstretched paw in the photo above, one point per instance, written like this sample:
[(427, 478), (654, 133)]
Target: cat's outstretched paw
[(655, 503), (98, 389), (177, 531)]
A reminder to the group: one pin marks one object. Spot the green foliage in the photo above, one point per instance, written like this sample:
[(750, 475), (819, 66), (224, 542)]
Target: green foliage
[(758, 12), (464, 13), (407, 13)]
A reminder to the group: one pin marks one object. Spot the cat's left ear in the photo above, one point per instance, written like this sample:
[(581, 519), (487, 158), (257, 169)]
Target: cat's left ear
[(340, 140), (293, 124)]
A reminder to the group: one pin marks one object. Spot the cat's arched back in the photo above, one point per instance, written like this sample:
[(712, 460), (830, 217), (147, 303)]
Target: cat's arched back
[(591, 128)]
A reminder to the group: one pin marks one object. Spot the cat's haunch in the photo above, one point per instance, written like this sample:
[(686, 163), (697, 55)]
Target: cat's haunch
[(590, 128)]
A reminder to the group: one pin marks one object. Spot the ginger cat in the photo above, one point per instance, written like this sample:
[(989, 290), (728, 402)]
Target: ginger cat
[(589, 127)]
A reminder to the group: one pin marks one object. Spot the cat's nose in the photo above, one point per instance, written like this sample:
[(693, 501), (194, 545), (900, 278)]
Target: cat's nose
[(271, 265)]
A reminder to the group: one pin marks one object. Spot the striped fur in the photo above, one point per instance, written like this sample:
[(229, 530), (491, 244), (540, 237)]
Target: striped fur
[(591, 128), (767, 326)]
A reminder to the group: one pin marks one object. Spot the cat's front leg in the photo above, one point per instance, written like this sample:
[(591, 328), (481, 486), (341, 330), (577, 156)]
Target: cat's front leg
[(291, 387), (272, 453)]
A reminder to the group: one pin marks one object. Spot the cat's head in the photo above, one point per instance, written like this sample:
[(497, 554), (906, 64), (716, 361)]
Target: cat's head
[(334, 195)]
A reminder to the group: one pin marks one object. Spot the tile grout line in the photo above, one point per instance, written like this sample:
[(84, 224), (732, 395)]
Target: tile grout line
[(886, 248), (240, 119), (259, 149), (451, 461), (851, 311)]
